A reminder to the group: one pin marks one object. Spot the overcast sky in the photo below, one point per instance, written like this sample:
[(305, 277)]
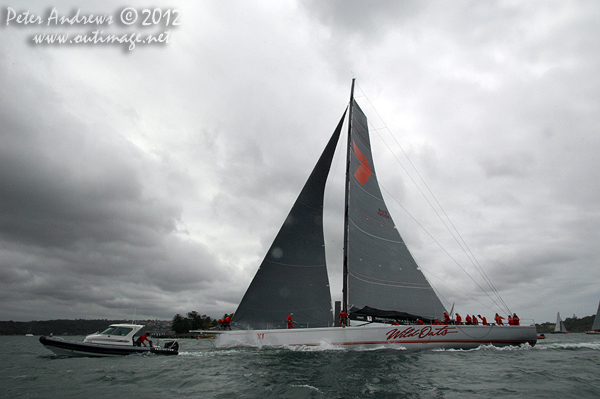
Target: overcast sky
[(145, 183)]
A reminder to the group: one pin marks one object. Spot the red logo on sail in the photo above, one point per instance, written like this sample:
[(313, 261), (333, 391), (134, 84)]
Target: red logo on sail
[(363, 172)]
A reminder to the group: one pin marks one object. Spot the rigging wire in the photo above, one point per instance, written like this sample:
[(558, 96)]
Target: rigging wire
[(457, 289), (438, 244), (450, 226)]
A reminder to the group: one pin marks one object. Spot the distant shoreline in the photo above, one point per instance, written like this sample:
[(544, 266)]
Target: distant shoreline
[(76, 327)]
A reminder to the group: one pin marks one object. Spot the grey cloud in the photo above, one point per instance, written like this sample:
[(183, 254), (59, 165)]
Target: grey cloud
[(366, 18)]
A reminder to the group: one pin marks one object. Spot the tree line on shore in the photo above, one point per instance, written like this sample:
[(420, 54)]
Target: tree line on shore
[(573, 324), (73, 327), (178, 325), (194, 321)]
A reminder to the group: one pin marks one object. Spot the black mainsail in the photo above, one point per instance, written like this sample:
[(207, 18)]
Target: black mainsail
[(382, 275), (292, 278)]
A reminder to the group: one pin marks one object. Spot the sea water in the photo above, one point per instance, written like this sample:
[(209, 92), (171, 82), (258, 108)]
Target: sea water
[(561, 366)]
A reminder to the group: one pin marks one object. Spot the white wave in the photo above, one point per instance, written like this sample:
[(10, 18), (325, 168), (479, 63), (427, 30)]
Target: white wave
[(489, 347), (307, 386), (573, 345), (325, 346), (211, 353), (388, 347)]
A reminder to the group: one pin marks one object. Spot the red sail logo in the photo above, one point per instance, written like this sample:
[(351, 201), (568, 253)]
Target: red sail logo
[(363, 172)]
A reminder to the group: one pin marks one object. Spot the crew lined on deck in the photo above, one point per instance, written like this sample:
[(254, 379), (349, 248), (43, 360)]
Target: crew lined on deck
[(473, 320)]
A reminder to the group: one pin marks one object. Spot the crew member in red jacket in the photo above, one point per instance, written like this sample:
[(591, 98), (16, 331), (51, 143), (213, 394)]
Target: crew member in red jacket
[(446, 318), (343, 319), (468, 320), (458, 320), (516, 320), (289, 321), (142, 339), (498, 320)]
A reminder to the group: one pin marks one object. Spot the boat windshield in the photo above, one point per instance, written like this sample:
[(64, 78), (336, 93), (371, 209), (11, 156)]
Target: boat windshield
[(122, 331)]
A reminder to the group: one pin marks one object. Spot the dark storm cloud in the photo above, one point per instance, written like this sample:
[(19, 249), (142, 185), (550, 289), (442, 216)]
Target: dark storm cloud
[(79, 220), (64, 181)]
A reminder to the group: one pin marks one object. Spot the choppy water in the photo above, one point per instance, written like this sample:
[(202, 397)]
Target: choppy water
[(561, 366)]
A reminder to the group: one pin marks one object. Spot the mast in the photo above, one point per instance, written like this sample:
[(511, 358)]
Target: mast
[(347, 197)]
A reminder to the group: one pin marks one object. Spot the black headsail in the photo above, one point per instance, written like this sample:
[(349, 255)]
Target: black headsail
[(382, 275), (292, 278)]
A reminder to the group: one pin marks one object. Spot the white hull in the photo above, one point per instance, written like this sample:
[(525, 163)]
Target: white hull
[(413, 337), (593, 332)]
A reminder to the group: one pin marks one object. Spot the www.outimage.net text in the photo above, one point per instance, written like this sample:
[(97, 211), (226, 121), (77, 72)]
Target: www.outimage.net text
[(144, 19)]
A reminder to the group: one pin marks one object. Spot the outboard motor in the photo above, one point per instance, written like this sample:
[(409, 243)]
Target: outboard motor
[(174, 345)]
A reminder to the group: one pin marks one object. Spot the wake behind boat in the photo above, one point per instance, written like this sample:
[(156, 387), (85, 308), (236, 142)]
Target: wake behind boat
[(381, 279), (116, 340)]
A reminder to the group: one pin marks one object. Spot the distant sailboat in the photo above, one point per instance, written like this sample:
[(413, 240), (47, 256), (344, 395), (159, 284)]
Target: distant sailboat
[(382, 283), (29, 334), (596, 326), (560, 326)]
